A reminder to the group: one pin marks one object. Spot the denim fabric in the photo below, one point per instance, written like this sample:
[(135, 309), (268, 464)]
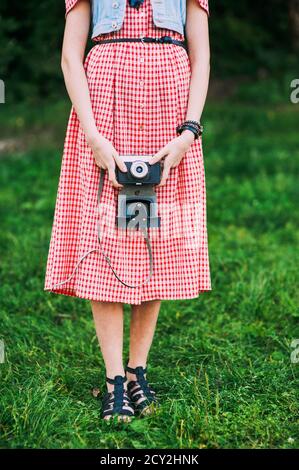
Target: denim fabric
[(108, 15)]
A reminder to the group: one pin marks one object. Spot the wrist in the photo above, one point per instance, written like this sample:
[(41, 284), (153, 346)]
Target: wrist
[(187, 136), (93, 138)]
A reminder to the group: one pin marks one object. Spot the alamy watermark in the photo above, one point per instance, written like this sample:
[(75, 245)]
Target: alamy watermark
[(2, 92), (294, 97), (295, 351), (1, 351)]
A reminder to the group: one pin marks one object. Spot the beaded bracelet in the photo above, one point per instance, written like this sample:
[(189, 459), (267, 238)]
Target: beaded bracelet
[(196, 124), (193, 126), (190, 128)]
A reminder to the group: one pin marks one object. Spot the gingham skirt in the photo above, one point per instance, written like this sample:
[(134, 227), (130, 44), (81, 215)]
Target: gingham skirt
[(139, 94)]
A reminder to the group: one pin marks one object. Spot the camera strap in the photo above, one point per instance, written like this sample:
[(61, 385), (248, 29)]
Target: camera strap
[(108, 260), (144, 230)]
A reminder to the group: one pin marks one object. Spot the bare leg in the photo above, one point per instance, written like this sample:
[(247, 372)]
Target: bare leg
[(143, 324), (108, 319)]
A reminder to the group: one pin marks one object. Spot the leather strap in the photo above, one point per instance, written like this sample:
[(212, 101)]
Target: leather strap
[(146, 237), (118, 379), (146, 39), (136, 370)]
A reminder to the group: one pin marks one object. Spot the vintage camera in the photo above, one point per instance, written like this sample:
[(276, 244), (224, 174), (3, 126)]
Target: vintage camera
[(139, 171), (137, 202)]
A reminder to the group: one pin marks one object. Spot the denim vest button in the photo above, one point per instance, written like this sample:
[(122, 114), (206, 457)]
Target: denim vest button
[(114, 24), (115, 4)]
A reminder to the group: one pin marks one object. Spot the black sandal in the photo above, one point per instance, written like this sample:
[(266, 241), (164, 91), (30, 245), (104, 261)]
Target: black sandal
[(141, 394), (117, 403)]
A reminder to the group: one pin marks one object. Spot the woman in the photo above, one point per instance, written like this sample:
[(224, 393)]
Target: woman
[(142, 97)]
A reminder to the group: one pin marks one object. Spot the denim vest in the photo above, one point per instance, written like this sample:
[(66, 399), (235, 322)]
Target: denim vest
[(108, 15)]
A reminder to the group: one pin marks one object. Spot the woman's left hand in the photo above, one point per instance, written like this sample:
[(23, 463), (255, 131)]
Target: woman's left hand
[(173, 152)]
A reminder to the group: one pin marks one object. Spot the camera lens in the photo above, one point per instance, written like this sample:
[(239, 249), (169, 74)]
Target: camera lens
[(139, 169)]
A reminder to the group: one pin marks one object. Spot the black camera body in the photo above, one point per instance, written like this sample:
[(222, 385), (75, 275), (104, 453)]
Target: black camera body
[(139, 171), (137, 201)]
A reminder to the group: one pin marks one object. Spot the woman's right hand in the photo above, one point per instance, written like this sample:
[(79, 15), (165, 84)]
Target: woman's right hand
[(107, 157)]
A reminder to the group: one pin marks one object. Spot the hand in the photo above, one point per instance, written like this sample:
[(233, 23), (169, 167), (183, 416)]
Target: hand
[(106, 157), (173, 153)]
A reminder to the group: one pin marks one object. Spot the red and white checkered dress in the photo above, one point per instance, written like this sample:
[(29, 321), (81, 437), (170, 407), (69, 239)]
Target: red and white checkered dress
[(139, 94)]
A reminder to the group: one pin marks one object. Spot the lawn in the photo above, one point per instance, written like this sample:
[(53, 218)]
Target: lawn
[(221, 363)]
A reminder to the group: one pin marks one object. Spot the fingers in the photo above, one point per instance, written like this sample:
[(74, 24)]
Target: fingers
[(119, 162), (165, 174), (112, 178), (157, 157), (100, 163)]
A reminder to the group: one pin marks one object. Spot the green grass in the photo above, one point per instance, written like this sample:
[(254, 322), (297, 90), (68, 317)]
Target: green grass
[(220, 363)]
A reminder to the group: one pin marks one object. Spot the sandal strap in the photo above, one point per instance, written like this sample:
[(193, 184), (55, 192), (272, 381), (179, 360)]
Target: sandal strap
[(137, 371), (140, 388), (108, 400), (118, 379), (116, 402), (138, 391), (144, 404), (123, 412)]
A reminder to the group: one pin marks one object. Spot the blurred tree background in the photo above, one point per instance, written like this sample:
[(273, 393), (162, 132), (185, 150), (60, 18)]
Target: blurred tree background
[(257, 39)]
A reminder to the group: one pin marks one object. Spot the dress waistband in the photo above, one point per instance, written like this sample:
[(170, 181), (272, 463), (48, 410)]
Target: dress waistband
[(146, 39)]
